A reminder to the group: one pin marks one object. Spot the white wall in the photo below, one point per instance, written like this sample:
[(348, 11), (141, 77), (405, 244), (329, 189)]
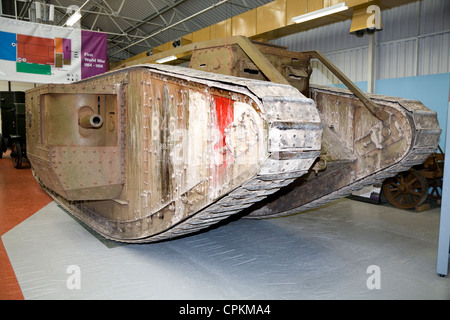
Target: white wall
[(16, 86)]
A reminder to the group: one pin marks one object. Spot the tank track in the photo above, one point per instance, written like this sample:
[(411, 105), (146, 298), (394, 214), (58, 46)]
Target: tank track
[(279, 169), (423, 144)]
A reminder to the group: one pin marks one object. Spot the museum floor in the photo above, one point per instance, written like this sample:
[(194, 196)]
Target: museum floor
[(345, 250)]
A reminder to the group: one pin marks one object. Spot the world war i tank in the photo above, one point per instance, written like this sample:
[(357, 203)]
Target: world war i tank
[(149, 152)]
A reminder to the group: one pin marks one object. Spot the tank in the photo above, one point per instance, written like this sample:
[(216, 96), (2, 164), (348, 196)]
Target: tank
[(150, 152)]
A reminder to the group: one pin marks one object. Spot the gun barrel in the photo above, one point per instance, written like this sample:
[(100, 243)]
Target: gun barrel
[(91, 121)]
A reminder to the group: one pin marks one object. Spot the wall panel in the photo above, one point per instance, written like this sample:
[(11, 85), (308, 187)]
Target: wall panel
[(415, 40)]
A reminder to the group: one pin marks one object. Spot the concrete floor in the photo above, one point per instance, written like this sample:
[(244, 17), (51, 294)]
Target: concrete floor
[(321, 254), (20, 197)]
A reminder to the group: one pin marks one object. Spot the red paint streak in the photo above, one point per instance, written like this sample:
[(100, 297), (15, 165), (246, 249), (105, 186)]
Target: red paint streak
[(225, 116)]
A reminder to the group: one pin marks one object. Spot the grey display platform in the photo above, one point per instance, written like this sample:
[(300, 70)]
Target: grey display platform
[(325, 253)]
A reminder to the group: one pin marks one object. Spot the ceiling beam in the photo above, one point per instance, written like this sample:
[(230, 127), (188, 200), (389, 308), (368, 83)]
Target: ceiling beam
[(154, 15), (174, 24)]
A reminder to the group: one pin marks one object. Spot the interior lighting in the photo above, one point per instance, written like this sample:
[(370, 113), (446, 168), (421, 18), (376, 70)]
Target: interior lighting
[(166, 59), (320, 13), (76, 16)]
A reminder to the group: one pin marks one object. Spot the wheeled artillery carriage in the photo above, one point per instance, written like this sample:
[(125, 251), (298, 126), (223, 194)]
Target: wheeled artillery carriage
[(410, 189)]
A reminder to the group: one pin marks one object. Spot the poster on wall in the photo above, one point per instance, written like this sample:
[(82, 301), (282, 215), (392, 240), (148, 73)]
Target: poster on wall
[(38, 53)]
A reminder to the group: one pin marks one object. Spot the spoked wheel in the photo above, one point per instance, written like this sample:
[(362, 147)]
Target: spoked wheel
[(435, 188), (406, 190), (16, 154)]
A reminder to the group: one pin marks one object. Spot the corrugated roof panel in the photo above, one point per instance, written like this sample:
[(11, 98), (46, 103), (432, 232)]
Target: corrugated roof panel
[(190, 7), (147, 17)]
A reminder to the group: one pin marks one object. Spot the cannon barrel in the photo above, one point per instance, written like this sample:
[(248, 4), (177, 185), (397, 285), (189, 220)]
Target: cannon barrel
[(91, 121)]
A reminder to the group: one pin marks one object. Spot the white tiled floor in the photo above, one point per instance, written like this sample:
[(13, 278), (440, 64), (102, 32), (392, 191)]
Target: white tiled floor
[(320, 254)]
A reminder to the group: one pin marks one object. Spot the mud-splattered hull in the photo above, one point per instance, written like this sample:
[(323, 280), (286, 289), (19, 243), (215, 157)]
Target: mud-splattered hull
[(154, 152)]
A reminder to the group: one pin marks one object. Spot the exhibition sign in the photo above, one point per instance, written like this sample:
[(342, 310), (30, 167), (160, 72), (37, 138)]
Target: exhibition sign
[(39, 53)]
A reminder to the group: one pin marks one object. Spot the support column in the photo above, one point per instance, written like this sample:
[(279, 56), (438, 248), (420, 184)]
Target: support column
[(444, 226), (371, 63)]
